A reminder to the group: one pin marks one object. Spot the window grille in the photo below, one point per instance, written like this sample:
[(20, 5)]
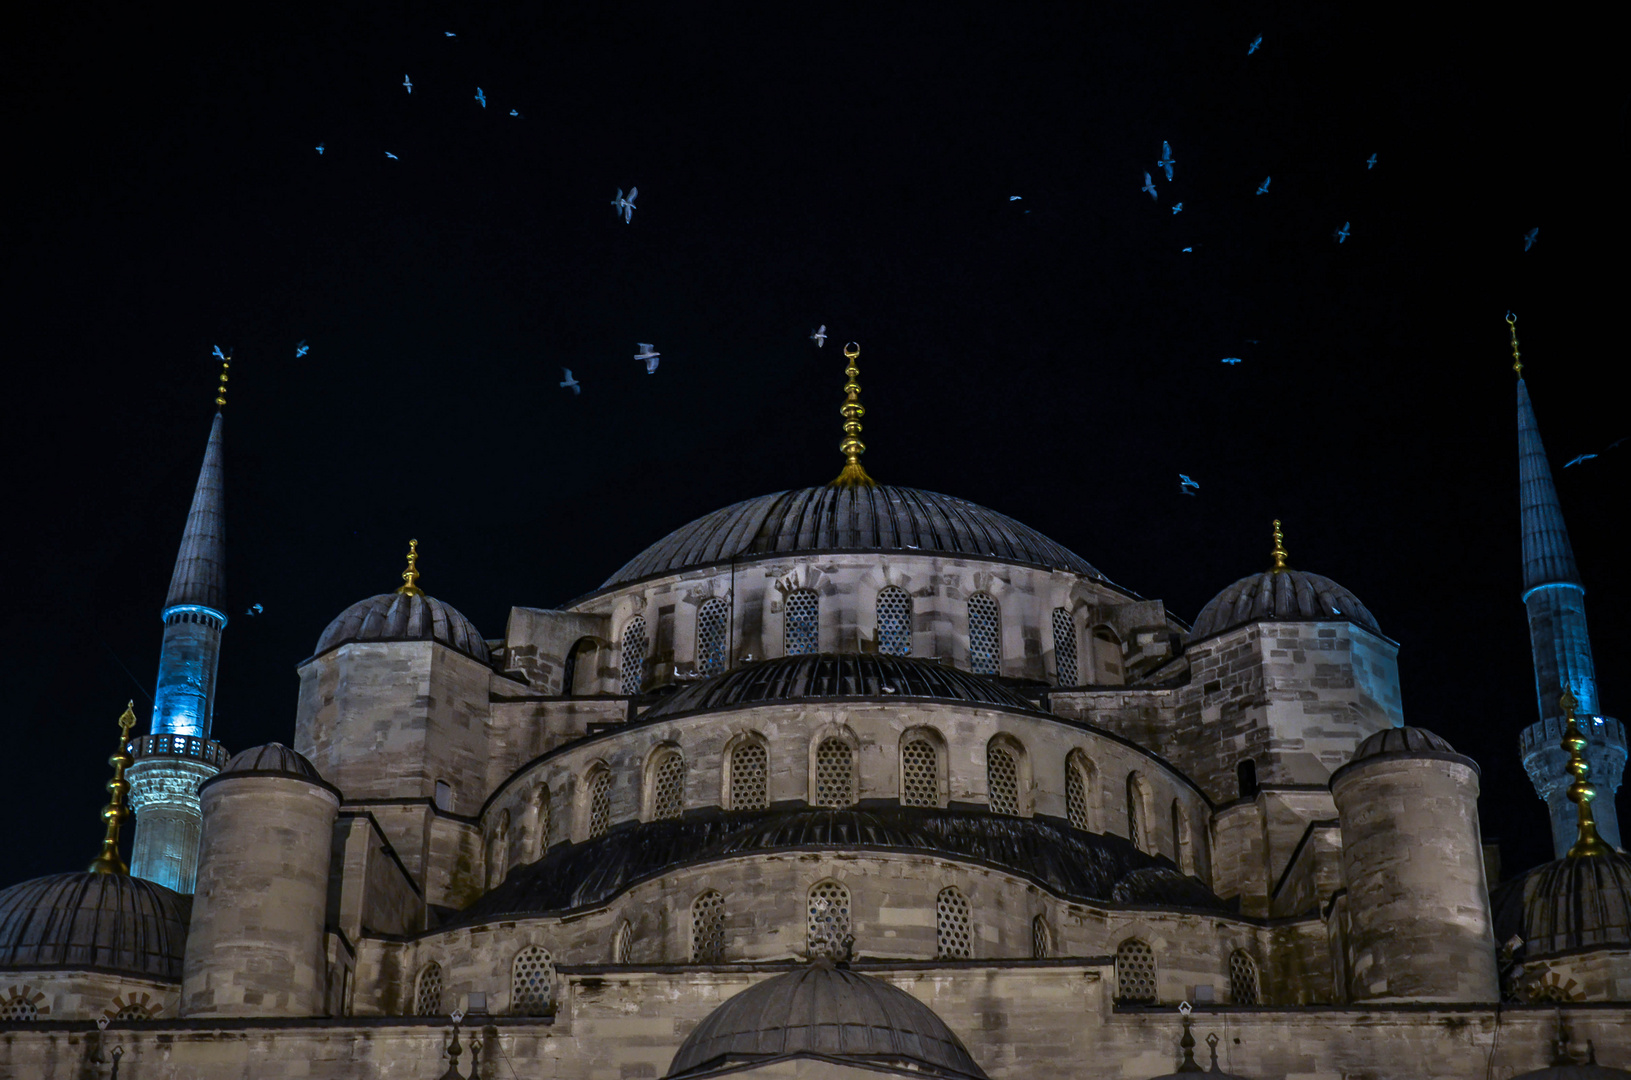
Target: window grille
[(668, 787), (984, 635), (708, 928), (1064, 648), (532, 979), (633, 659), (951, 925), (133, 1011), (1002, 778), (1077, 798), (600, 803), (835, 773), (1041, 939), (711, 637), (1243, 985), (919, 774), (829, 919), (622, 943), (894, 622), (1137, 828), (18, 1008), (749, 783), (801, 627), (540, 837), (1135, 971), (427, 1000)]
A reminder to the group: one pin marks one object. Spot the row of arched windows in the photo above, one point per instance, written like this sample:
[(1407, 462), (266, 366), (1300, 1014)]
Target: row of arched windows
[(532, 985), (827, 926), (1136, 982)]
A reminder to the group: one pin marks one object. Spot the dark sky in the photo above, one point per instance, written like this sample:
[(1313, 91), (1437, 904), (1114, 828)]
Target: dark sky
[(1056, 358)]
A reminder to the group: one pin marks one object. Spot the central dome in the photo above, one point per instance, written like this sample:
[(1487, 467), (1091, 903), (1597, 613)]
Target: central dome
[(849, 519)]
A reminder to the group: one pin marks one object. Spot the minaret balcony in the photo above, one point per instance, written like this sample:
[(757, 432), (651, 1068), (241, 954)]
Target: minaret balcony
[(167, 744)]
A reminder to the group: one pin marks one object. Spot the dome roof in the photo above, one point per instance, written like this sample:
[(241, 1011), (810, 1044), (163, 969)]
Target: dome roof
[(849, 519), (397, 616), (109, 922), (838, 675), (271, 758), (1287, 596), (827, 1012), (1568, 904), (1402, 740)]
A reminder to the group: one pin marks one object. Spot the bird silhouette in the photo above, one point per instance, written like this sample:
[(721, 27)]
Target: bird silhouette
[(571, 382), (481, 97), (1015, 198), (408, 84), (1342, 233), (1231, 359), (1255, 45), (449, 33), (1149, 186), (1263, 188), (625, 205), (1370, 163), (1177, 207), (819, 336), (254, 609), (1166, 161), (392, 156), (302, 349), (1529, 238), (1186, 486), (319, 148), (1578, 460), (1189, 249), (517, 115), (649, 355), (221, 356)]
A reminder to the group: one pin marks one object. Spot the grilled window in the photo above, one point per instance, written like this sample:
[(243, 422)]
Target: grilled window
[(708, 928), (1138, 830), (668, 786), (135, 1011), (749, 780), (622, 943), (1135, 971), (951, 925), (18, 1007), (634, 655), (829, 919), (894, 622), (600, 802), (427, 999), (532, 979), (1064, 648), (835, 773), (801, 626), (1243, 985), (984, 635), (1041, 939), (1002, 779), (919, 774), (1079, 791), (711, 637)]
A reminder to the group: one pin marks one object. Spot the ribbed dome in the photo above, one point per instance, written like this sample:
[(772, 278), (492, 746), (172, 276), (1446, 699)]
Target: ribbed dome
[(849, 519), (1288, 596), (838, 675), (271, 758), (109, 922), (1567, 904), (402, 617), (830, 1012), (1402, 740)]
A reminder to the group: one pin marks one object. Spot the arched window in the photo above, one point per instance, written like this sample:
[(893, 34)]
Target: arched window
[(829, 919), (532, 982), (1135, 972), (599, 798), (633, 660), (894, 622), (919, 772), (801, 627), (1246, 778), (1002, 778), (834, 773), (134, 1011), (569, 670), (18, 1007), (749, 776), (1138, 821), (951, 925), (1064, 648), (1243, 985), (540, 821), (498, 850), (622, 943), (711, 618), (1041, 938), (427, 997), (984, 635), (1081, 798), (667, 798), (708, 928)]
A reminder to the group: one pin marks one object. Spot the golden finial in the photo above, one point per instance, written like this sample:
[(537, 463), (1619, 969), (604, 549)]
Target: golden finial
[(1586, 840), (1279, 554), (221, 391), (1512, 325), (852, 447), (115, 812), (411, 574)]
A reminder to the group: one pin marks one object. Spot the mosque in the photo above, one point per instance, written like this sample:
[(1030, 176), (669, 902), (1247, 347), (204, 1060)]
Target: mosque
[(839, 782)]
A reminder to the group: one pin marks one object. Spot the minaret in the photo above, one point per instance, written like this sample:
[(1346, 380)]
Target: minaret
[(1555, 597), (177, 755)]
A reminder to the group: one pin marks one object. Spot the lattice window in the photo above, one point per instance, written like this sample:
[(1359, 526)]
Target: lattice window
[(894, 622), (835, 773), (668, 787), (829, 919), (1041, 939), (711, 618), (919, 774), (951, 925), (133, 1011), (1243, 985), (801, 625), (984, 635), (427, 999), (708, 928), (532, 981), (1137, 827), (750, 766), (1078, 788), (623, 943), (1064, 648), (600, 802), (633, 659), (541, 821), (1135, 971), (18, 1008), (1002, 779)]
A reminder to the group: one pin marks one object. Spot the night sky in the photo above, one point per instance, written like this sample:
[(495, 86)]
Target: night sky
[(1056, 358)]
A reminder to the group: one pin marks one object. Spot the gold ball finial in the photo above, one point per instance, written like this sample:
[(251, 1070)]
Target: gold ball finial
[(1512, 325), (1586, 841), (221, 391), (852, 447), (411, 575), (1279, 555), (116, 813)]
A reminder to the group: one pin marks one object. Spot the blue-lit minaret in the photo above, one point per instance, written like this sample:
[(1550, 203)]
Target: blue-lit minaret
[(1555, 597), (177, 755)]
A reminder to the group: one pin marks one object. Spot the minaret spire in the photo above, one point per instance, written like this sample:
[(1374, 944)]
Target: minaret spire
[(852, 447)]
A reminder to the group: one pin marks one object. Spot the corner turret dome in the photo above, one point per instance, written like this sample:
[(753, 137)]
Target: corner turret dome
[(101, 922), (829, 1013), (273, 758), (1402, 740), (397, 616), (1287, 596)]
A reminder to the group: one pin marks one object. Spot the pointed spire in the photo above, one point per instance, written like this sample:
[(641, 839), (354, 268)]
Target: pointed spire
[(200, 574), (1279, 555), (852, 447), (1547, 557), (411, 575), (1586, 841), (116, 812)]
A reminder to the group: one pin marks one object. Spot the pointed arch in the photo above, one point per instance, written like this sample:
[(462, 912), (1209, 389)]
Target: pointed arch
[(746, 773), (894, 613), (1041, 938), (1244, 987), (1007, 776), (540, 813), (828, 907), (712, 618), (1082, 792), (632, 656), (427, 994), (596, 801), (623, 943), (1139, 829), (923, 779), (984, 634), (1066, 672), (832, 771), (665, 784), (953, 934), (532, 982)]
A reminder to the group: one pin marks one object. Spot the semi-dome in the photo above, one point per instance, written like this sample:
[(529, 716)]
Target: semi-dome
[(838, 675), (829, 1013), (1568, 904), (104, 922), (397, 616), (272, 758), (1287, 596), (849, 519)]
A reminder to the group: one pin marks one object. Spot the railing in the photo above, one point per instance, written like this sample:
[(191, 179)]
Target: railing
[(187, 746), (1547, 734)]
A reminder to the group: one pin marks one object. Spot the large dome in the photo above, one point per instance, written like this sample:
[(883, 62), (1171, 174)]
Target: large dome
[(396, 616), (1569, 904), (825, 1012), (105, 922), (1287, 596), (849, 519)]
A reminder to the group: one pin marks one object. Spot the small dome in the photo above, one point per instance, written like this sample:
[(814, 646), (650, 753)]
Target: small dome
[(1287, 596), (830, 1011), (1567, 905), (105, 922), (404, 617), (272, 758), (1402, 740)]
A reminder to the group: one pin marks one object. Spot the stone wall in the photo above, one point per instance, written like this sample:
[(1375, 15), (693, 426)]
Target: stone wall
[(69, 994)]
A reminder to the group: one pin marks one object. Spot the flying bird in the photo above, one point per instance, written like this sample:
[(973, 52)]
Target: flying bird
[(1529, 238), (1617, 442), (392, 156), (1578, 460), (1370, 162), (449, 33), (819, 336), (1149, 186), (625, 206), (319, 148), (1189, 249), (1177, 207), (408, 84), (1015, 198), (219, 355), (571, 382), (302, 349), (1263, 188), (254, 609), (1231, 359), (1342, 233), (517, 115), (1166, 161), (481, 97), (1186, 486), (1255, 45), (649, 355)]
